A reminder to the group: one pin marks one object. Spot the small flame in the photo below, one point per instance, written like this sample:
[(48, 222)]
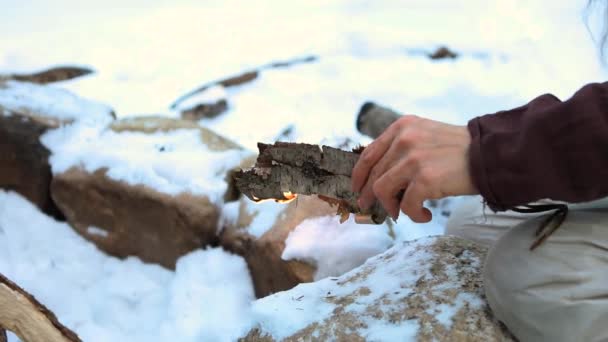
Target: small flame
[(288, 197)]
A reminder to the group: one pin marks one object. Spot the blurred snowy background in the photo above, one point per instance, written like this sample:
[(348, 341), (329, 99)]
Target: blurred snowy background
[(146, 53)]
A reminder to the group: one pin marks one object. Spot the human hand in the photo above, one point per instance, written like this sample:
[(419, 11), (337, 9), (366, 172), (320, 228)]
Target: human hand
[(425, 158)]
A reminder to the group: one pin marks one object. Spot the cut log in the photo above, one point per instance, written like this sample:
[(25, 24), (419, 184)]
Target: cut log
[(284, 169), (373, 119), (24, 160), (31, 321), (51, 75)]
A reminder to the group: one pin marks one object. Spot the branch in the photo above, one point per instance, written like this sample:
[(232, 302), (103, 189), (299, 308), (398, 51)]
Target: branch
[(31, 321), (242, 78), (373, 119), (284, 169)]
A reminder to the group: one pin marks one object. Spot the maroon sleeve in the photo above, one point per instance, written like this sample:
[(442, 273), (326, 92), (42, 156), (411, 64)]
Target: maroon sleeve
[(545, 149)]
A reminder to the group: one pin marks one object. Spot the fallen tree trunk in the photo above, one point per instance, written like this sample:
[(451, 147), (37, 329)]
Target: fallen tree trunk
[(373, 119), (285, 169), (31, 321)]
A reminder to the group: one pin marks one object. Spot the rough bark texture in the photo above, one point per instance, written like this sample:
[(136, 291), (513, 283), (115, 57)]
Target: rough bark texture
[(269, 272), (373, 119), (428, 279), (285, 168), (50, 75), (134, 220), (24, 166), (31, 321)]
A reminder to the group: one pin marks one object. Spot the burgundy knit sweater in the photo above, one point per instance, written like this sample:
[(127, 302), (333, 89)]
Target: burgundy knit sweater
[(547, 149)]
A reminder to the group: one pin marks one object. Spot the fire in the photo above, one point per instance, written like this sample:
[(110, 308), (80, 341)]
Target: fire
[(288, 197)]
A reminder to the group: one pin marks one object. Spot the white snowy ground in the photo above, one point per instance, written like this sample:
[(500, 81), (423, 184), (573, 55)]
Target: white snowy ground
[(147, 53)]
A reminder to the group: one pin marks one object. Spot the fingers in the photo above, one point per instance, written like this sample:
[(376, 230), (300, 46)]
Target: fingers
[(372, 189), (369, 157), (412, 201), (390, 186)]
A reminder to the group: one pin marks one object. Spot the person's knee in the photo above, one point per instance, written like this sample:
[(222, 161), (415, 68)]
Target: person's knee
[(554, 293), (470, 221)]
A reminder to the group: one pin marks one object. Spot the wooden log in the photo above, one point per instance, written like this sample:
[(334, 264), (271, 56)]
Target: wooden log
[(31, 321), (373, 119), (284, 169), (51, 75)]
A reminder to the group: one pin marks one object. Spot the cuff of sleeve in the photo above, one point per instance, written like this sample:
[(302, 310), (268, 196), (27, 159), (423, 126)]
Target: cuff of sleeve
[(477, 168)]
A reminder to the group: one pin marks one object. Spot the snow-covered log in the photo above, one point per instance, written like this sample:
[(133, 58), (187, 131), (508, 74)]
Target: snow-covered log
[(31, 321)]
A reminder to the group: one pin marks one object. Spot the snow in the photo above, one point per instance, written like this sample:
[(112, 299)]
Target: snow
[(107, 299), (148, 53), (97, 231), (284, 313), (210, 95), (50, 102), (265, 213), (171, 162), (333, 247)]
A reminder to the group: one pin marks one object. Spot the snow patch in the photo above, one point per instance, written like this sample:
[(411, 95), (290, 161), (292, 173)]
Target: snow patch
[(46, 101), (282, 314), (97, 231), (103, 298), (171, 162), (333, 247)]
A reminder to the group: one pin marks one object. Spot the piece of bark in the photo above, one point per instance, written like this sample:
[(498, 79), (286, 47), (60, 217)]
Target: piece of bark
[(373, 119), (31, 321), (283, 169), (51, 75)]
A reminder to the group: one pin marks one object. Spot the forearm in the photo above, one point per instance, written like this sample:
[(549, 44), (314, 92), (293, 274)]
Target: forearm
[(545, 149)]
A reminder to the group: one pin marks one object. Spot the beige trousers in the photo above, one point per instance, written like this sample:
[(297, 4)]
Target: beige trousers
[(559, 291)]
